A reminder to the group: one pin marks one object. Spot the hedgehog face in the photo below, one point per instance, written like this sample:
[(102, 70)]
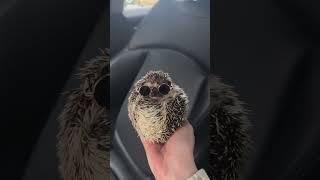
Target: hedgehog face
[(155, 85)]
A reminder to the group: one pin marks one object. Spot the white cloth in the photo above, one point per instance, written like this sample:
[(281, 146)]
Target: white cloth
[(199, 175)]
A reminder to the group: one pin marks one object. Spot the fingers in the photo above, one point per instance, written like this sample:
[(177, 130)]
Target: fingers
[(153, 153), (151, 146), (185, 129)]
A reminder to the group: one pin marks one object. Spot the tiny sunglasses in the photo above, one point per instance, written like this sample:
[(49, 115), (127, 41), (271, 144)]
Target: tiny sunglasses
[(163, 89)]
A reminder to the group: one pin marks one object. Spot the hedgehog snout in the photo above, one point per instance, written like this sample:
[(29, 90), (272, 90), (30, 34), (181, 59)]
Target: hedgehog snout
[(155, 92)]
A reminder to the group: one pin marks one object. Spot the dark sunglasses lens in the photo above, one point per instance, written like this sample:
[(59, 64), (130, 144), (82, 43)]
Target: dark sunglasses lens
[(144, 91), (164, 89)]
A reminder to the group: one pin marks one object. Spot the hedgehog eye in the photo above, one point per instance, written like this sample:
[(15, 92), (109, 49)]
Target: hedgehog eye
[(144, 90), (164, 89)]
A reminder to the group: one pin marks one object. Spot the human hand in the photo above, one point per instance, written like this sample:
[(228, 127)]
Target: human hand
[(174, 159)]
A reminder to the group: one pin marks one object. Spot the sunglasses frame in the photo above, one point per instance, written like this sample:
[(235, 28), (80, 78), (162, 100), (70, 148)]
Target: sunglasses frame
[(157, 88)]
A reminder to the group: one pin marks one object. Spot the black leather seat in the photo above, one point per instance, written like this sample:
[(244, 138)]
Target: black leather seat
[(175, 38)]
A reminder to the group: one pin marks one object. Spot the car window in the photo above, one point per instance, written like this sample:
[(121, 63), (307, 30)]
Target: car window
[(137, 7)]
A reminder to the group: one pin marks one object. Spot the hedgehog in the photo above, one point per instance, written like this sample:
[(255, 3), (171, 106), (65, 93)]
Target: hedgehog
[(157, 107), (229, 132), (84, 124)]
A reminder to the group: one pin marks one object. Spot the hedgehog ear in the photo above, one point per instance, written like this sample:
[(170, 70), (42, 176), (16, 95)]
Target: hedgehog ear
[(138, 84), (168, 77)]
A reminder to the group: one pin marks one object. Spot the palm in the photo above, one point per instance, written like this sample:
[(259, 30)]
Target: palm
[(175, 156)]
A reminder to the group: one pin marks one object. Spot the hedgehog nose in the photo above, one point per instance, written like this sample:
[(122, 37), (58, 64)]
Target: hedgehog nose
[(154, 92)]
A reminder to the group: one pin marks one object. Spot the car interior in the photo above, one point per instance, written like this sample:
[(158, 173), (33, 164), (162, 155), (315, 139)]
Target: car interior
[(173, 36), (267, 50)]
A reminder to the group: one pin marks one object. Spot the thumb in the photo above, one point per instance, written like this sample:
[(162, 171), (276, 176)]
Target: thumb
[(153, 150)]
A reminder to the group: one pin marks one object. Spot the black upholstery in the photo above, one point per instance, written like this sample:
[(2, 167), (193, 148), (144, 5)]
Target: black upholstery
[(175, 38), (121, 32)]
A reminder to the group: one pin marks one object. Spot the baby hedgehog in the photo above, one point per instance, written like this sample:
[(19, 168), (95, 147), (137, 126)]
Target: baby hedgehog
[(157, 107)]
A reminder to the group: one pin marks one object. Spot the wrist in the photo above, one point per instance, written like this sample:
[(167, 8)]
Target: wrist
[(184, 169), (189, 171)]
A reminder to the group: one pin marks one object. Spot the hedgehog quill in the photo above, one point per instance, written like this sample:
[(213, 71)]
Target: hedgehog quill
[(157, 107)]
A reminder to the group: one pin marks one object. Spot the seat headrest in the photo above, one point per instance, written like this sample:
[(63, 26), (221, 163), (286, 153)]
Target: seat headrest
[(180, 26)]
